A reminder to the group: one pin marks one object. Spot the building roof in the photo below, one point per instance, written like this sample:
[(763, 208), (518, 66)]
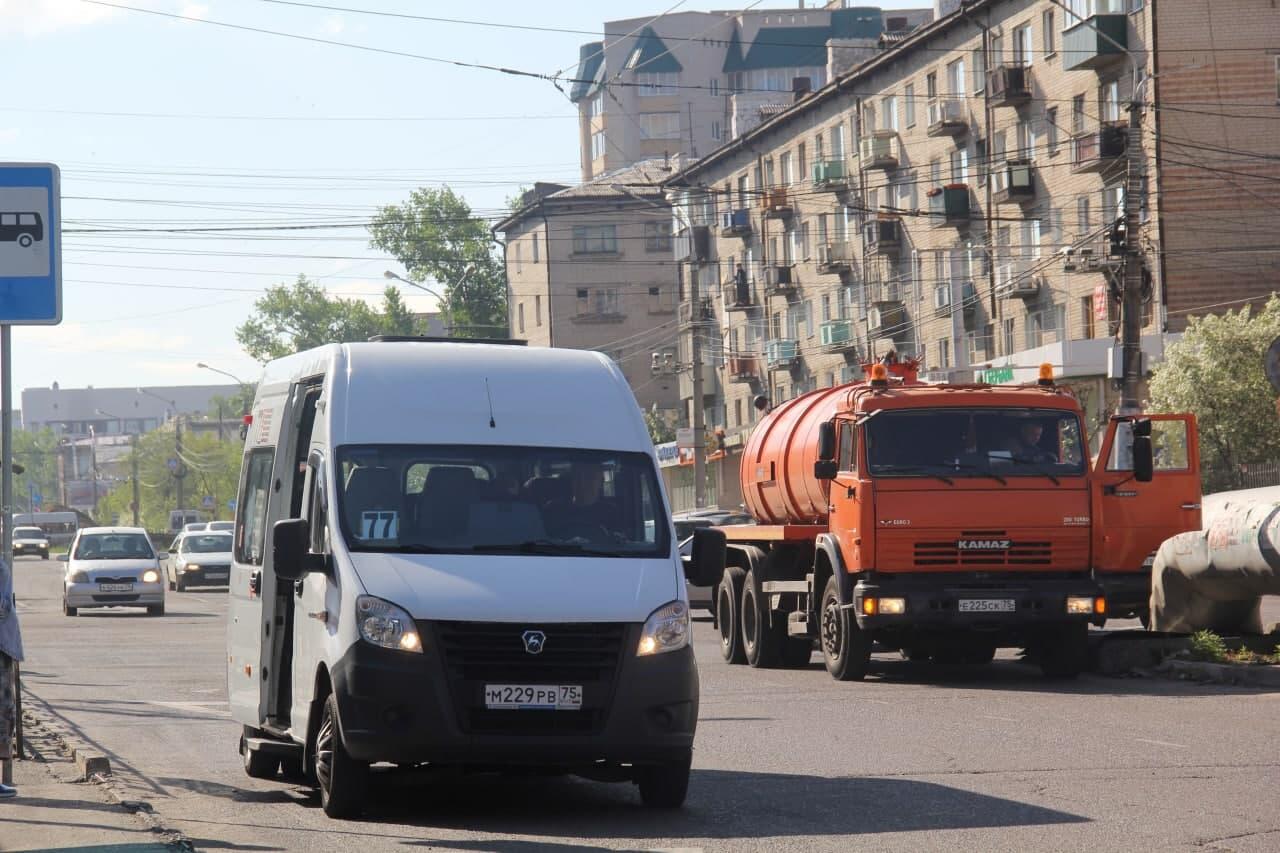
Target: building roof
[(590, 63), (801, 47), (42, 406), (641, 181), (650, 53)]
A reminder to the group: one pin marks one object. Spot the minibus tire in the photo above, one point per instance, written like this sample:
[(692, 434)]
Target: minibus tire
[(728, 615), (340, 777), (664, 786), (257, 765)]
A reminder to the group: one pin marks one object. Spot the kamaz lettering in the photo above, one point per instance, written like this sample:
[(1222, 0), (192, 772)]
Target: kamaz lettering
[(983, 544)]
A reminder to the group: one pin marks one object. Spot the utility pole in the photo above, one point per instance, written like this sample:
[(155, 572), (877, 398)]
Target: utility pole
[(133, 456), (695, 360), (180, 470), (1131, 282), (93, 463)]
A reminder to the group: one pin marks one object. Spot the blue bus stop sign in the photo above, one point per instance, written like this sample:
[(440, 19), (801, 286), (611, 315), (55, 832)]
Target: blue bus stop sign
[(30, 244)]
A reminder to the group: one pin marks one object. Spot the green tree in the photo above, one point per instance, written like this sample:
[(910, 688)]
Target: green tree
[(1216, 371), (661, 429), (289, 319), (436, 237), (37, 453)]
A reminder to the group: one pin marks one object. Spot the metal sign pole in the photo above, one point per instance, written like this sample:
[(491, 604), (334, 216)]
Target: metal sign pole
[(6, 492)]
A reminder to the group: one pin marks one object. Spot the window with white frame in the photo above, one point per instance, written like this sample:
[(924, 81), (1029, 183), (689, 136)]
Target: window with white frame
[(1030, 238), (1026, 134), (1051, 130), (1010, 329), (955, 78), (595, 106), (788, 177), (650, 83), (1077, 115), (909, 103), (868, 117), (537, 310), (837, 142), (715, 130), (826, 307), (1047, 35), (996, 47), (978, 59), (598, 144), (944, 353), (1082, 215), (1109, 102), (1112, 203), (595, 239), (960, 166), (659, 125), (889, 112), (606, 300), (1022, 44), (657, 236)]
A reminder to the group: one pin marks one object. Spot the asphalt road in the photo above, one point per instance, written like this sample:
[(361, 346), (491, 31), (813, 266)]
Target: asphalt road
[(915, 758)]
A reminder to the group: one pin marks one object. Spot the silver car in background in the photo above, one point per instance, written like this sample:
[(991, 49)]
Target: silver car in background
[(112, 567), (198, 559)]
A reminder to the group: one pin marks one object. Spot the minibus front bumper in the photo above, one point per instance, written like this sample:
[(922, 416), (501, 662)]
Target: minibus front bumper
[(410, 708)]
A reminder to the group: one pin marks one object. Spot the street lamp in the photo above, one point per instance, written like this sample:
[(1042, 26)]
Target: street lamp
[(441, 301), (246, 400)]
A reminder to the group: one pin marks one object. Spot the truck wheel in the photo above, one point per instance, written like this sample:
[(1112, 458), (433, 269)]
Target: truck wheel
[(846, 650), (341, 778), (664, 786), (760, 641), (728, 595), (257, 764), (1065, 653)]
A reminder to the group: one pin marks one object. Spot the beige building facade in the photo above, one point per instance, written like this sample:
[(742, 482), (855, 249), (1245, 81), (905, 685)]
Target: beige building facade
[(952, 200), (592, 267)]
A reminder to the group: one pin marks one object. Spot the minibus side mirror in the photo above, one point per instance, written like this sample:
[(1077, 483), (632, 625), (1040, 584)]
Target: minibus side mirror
[(290, 550), (706, 563)]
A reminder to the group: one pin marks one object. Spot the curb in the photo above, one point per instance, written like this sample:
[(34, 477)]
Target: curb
[(1223, 673)]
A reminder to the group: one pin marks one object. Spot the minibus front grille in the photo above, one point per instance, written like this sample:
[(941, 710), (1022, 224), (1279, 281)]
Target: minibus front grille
[(480, 653)]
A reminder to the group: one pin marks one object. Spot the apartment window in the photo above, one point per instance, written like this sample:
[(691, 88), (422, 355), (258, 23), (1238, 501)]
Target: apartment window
[(931, 85), (535, 248), (1030, 238), (960, 166), (1051, 130), (941, 294), (889, 112), (1046, 33), (715, 131), (1009, 331), (1077, 115), (909, 99), (606, 301), (657, 82), (737, 412), (917, 274), (660, 300), (788, 176), (837, 142), (659, 125), (1082, 215), (715, 86), (595, 239), (1087, 328), (944, 353), (519, 257), (1026, 134), (1109, 101), (1112, 203), (802, 163), (584, 300), (598, 144), (743, 189), (979, 60), (1034, 328), (808, 318), (955, 78), (770, 176), (537, 310), (520, 316), (935, 173), (826, 307), (801, 236), (657, 236), (1022, 45), (595, 106)]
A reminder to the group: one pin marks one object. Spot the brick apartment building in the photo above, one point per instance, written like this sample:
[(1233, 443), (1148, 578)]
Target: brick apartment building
[(950, 199)]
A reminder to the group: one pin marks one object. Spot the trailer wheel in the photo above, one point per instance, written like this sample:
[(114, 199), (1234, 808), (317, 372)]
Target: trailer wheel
[(1065, 653), (846, 650), (760, 640), (728, 595)]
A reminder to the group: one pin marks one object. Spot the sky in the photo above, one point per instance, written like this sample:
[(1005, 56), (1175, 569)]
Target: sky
[(159, 122)]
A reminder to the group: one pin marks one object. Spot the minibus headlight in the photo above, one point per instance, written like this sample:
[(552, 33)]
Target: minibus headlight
[(666, 630), (384, 624)]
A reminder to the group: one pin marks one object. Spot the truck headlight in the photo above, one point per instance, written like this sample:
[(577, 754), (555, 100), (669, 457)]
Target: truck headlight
[(384, 624), (150, 576), (666, 630), (1079, 604)]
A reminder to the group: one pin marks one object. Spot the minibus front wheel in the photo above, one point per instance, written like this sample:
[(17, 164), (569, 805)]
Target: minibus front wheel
[(341, 778)]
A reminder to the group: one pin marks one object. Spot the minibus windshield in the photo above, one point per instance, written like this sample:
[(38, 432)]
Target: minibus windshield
[(981, 442), (500, 500)]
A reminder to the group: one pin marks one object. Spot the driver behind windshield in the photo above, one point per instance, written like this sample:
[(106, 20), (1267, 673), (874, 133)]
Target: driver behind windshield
[(588, 513), (1024, 443)]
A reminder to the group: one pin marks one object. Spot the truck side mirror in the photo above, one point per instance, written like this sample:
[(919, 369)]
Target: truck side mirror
[(825, 469), (1143, 459), (290, 550), (826, 441), (706, 563)]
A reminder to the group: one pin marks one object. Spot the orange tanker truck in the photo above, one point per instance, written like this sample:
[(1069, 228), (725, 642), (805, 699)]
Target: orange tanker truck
[(943, 521)]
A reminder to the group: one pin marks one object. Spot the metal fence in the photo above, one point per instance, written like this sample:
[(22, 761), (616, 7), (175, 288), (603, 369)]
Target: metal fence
[(1247, 475)]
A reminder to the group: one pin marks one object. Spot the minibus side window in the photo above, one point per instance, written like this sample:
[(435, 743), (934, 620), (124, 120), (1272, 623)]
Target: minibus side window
[(317, 511), (251, 519)]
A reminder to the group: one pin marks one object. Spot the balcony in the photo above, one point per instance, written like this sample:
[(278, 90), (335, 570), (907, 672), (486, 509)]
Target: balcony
[(834, 258), (878, 151), (832, 174), (740, 299), (837, 336), (775, 203), (694, 245), (883, 236), (1012, 182), (1009, 85), (1096, 151), (1015, 281), (743, 368), (700, 312), (947, 117), (886, 320), (949, 205), (779, 280), (1096, 42), (735, 223), (781, 353)]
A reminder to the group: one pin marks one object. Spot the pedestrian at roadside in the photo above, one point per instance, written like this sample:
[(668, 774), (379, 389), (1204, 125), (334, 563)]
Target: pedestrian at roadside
[(10, 654)]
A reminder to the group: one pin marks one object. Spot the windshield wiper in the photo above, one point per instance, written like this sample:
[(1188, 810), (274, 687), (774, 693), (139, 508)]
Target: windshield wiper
[(911, 469), (1052, 478), (409, 548), (543, 546), (980, 472)]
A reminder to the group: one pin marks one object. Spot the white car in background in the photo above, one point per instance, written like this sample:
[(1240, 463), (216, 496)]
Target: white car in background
[(226, 526), (30, 540), (112, 567), (198, 559)]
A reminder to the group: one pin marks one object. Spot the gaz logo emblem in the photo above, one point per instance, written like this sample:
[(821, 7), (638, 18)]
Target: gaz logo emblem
[(534, 641)]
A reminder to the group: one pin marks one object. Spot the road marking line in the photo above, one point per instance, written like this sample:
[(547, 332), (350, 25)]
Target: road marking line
[(1162, 743), (1001, 719)]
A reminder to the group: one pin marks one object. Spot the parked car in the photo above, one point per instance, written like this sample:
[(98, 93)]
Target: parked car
[(703, 597), (200, 558), (30, 540), (222, 525), (112, 567)]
